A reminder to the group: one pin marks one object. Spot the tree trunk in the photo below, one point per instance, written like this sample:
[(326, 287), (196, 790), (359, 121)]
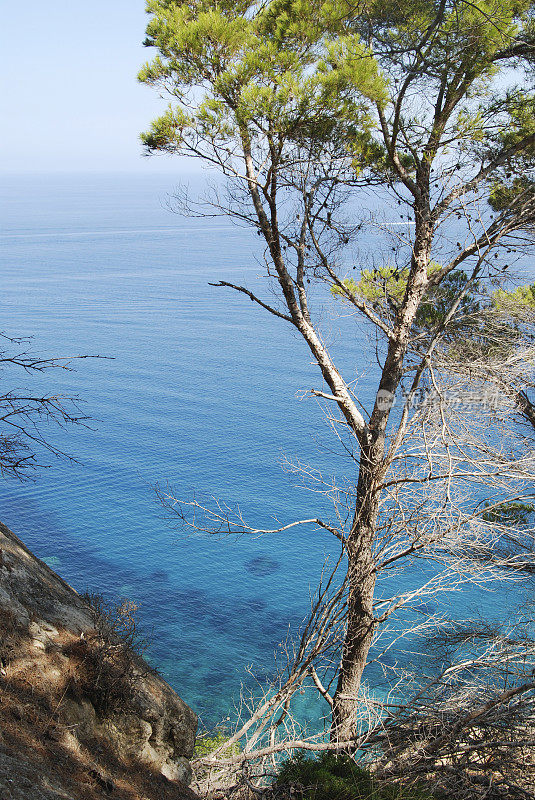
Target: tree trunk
[(356, 646), (361, 586)]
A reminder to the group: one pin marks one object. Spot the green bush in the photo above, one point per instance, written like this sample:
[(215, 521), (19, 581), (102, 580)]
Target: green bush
[(332, 777), (210, 740)]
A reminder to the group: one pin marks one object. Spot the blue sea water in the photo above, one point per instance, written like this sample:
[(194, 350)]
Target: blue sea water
[(201, 389), (201, 392)]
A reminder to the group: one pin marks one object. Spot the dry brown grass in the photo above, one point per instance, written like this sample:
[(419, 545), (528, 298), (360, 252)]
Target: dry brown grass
[(36, 680)]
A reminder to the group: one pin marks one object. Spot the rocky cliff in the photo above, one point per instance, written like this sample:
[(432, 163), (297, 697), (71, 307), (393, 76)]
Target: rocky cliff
[(82, 716)]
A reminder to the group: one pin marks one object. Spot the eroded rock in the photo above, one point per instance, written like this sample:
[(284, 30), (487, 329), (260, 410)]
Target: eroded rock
[(45, 628)]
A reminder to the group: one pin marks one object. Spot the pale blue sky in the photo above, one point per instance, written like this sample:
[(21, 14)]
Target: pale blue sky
[(70, 99)]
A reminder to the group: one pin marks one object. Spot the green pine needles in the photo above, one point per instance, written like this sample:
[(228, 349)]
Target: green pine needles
[(332, 777)]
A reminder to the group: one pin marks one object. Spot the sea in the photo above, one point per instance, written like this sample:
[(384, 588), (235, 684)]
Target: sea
[(196, 390)]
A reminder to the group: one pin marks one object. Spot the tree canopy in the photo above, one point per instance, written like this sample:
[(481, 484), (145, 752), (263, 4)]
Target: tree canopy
[(427, 106)]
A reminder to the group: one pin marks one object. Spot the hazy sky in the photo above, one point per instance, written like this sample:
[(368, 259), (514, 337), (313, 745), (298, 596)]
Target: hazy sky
[(70, 99)]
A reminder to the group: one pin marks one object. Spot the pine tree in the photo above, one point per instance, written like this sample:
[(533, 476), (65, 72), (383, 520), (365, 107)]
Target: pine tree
[(304, 104)]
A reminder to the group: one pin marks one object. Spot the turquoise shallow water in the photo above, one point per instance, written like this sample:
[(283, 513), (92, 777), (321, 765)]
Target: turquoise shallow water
[(201, 392)]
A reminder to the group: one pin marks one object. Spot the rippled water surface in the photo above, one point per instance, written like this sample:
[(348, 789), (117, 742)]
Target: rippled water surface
[(201, 392)]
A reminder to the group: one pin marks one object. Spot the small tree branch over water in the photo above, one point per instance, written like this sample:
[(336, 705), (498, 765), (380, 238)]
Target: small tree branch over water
[(307, 111), (26, 414)]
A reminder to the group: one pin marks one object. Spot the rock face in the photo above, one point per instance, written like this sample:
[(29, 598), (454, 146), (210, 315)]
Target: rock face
[(81, 714)]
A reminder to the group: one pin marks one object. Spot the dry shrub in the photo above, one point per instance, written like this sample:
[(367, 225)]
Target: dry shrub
[(108, 663)]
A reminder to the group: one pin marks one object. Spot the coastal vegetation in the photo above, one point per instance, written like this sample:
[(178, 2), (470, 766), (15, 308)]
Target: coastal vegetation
[(313, 112), (332, 777)]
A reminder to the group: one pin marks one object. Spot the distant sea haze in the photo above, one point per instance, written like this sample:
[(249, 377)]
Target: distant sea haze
[(201, 391)]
